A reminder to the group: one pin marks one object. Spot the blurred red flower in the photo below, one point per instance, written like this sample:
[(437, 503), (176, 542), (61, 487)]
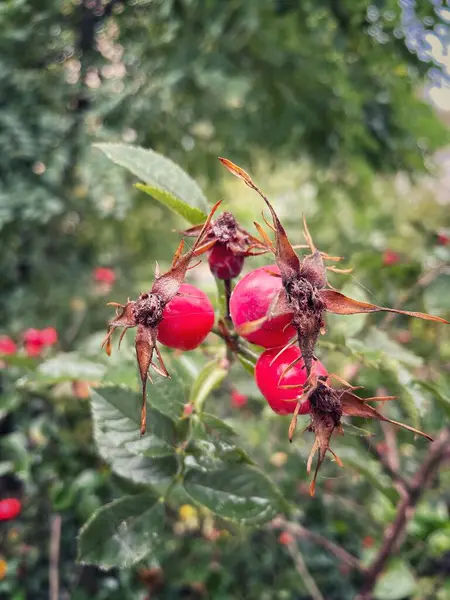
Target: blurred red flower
[(7, 345), (37, 339), (104, 275), (9, 508), (443, 239), (390, 258), (285, 538), (237, 399)]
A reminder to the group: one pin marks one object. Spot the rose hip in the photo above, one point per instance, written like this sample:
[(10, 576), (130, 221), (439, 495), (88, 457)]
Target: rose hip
[(269, 368), (187, 319), (251, 300)]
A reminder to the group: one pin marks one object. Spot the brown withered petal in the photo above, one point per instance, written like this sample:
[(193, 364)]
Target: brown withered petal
[(339, 304), (354, 406)]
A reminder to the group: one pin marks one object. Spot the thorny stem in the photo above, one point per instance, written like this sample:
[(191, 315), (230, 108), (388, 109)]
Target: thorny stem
[(436, 455)]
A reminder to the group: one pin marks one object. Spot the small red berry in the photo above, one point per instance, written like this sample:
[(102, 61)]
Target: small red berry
[(187, 319), (251, 300), (224, 263), (237, 399), (104, 275), (9, 508), (188, 409), (443, 239), (285, 538), (390, 258), (268, 371), (49, 336), (34, 344), (368, 541), (7, 345)]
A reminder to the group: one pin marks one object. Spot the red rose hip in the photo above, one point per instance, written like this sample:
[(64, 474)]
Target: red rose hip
[(224, 264), (187, 319), (268, 371), (251, 300), (9, 509)]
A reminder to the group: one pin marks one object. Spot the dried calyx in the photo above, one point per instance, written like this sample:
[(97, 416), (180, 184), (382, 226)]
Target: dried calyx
[(328, 405), (228, 244), (304, 294), (146, 312)]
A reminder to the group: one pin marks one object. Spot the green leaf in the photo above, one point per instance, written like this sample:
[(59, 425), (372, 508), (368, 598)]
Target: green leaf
[(379, 340), (116, 414), (122, 533), (436, 296), (194, 215), (158, 172), (442, 399), (240, 493), (395, 583), (69, 366), (209, 378)]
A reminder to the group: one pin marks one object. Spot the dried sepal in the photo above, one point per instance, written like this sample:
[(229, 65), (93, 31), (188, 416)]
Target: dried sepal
[(327, 406), (339, 304), (147, 312)]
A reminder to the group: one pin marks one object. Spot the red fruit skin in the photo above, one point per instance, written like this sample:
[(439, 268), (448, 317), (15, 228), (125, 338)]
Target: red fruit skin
[(9, 509), (7, 346), (250, 301), (267, 375), (224, 264), (187, 319)]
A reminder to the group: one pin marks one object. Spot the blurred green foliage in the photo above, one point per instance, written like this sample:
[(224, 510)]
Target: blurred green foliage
[(328, 117)]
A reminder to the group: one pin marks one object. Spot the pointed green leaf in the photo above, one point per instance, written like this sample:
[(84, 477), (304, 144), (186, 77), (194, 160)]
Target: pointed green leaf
[(157, 171), (123, 532), (194, 215), (396, 583), (149, 459), (240, 493), (209, 378)]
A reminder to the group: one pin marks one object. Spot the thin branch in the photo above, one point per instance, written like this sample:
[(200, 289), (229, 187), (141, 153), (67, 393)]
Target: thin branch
[(300, 565), (301, 532), (53, 567), (394, 533)]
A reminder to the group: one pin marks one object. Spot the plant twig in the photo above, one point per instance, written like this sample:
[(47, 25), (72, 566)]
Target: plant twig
[(301, 532), (300, 565), (53, 567), (394, 533)]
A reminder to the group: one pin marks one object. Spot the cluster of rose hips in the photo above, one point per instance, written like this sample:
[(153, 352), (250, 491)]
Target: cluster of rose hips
[(280, 307), (34, 342)]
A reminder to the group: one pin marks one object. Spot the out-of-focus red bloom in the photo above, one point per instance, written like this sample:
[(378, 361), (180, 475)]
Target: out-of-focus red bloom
[(49, 336), (104, 275), (368, 541), (7, 345), (443, 239), (285, 538), (237, 399), (188, 409), (390, 258), (37, 339), (9, 509)]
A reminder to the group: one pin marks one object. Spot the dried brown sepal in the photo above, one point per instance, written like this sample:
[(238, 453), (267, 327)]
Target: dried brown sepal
[(147, 312), (339, 304), (328, 405)]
